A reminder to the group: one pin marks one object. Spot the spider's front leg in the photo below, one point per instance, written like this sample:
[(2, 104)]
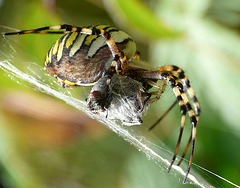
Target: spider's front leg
[(179, 84), (179, 73)]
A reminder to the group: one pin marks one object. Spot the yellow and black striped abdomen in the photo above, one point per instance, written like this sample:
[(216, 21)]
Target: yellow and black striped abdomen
[(79, 59)]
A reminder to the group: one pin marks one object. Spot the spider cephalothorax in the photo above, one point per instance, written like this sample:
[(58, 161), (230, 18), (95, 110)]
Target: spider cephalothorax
[(106, 58)]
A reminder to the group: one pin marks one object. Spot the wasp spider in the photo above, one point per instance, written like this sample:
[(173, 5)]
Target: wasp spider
[(106, 58)]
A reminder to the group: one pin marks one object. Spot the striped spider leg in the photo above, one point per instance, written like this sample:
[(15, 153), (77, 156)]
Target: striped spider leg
[(179, 84)]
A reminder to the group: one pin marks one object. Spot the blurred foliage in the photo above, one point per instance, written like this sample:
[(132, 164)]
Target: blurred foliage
[(48, 144)]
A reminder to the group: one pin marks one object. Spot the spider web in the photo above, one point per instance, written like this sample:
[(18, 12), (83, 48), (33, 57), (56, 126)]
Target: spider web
[(31, 74)]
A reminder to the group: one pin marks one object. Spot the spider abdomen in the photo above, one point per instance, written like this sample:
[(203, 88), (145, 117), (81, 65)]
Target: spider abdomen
[(80, 59)]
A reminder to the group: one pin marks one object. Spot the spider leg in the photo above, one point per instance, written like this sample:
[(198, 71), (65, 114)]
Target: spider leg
[(179, 73), (185, 150), (181, 96), (180, 92), (184, 104), (120, 61)]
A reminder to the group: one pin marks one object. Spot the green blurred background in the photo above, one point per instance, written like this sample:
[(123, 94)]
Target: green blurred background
[(46, 143)]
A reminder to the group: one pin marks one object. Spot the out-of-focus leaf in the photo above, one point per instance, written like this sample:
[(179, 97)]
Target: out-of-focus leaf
[(83, 13), (20, 174), (137, 15), (219, 8)]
